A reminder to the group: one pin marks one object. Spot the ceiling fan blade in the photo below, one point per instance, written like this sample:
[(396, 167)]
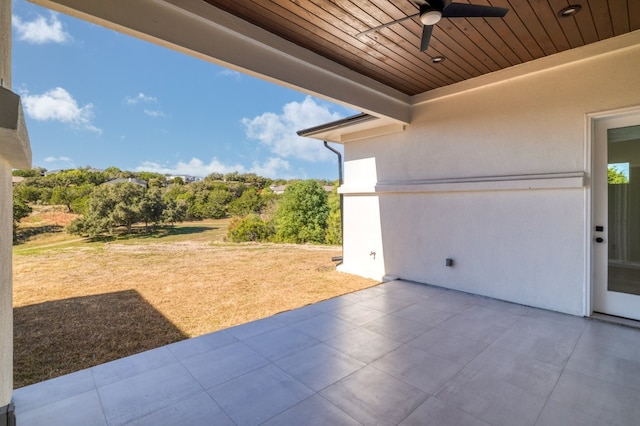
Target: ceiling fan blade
[(426, 36), (463, 10), (388, 24)]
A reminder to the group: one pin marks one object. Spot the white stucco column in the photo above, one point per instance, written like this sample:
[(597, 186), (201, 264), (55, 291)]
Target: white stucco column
[(15, 152), (5, 42), (6, 309), (6, 200)]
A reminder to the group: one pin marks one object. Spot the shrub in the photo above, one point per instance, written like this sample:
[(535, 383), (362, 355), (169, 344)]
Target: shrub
[(250, 228)]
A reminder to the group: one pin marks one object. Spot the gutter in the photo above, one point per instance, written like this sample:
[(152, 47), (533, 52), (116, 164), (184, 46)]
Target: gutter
[(343, 122)]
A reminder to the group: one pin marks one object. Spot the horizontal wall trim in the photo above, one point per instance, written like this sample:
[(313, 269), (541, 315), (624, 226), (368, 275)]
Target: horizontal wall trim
[(485, 183)]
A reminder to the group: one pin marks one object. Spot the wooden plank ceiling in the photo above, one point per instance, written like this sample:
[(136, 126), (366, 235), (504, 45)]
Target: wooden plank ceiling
[(472, 46)]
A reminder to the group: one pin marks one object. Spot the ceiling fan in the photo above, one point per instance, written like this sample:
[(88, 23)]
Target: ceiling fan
[(431, 11)]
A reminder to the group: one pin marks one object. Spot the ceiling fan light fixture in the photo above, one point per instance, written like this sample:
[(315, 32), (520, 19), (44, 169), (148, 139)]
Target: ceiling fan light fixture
[(432, 11), (569, 11), (430, 17)]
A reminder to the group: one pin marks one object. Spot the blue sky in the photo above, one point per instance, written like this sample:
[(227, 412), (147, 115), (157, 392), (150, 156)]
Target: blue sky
[(95, 97)]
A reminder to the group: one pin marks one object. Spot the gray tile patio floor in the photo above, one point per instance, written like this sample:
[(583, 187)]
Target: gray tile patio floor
[(398, 353)]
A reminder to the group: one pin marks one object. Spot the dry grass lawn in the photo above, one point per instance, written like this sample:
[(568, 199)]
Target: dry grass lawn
[(79, 304)]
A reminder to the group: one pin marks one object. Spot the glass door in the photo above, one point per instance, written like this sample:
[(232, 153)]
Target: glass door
[(616, 233)]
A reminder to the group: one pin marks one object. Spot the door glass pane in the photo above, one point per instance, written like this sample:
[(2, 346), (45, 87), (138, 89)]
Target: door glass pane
[(623, 153)]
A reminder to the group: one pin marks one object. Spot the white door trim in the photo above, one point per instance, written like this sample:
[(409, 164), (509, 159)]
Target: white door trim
[(589, 158)]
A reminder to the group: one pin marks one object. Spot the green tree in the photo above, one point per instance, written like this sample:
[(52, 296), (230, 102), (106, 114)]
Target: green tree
[(68, 178), (38, 171), (333, 234), (68, 195), (78, 205), (64, 187), (615, 176), (249, 202), (193, 206), (127, 200), (174, 191), (214, 177), (302, 213), (112, 173), (20, 209), (109, 207), (175, 211), (254, 180), (156, 183), (153, 179), (269, 203), (216, 204), (232, 177), (234, 188), (28, 193), (152, 207)]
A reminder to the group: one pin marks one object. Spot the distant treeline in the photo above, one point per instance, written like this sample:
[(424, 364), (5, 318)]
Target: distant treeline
[(112, 200)]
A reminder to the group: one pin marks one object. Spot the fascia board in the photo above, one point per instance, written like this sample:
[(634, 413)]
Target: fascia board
[(350, 129)]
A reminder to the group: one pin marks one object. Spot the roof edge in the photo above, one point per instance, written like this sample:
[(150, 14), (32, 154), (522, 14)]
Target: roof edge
[(337, 124), (354, 128)]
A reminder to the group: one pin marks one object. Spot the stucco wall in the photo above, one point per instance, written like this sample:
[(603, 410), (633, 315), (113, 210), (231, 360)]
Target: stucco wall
[(6, 215), (523, 245), (5, 42), (6, 316)]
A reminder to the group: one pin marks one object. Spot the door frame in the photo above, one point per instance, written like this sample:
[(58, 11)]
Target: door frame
[(590, 198)]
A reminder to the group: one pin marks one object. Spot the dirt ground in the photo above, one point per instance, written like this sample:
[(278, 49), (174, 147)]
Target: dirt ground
[(79, 304)]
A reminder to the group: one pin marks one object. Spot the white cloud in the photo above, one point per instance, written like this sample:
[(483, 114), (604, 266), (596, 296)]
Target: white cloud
[(140, 97), (272, 167), (278, 131), (41, 30), (58, 105), (229, 73), (154, 113), (54, 159), (60, 161)]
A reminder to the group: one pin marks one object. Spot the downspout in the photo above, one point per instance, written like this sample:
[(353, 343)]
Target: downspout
[(340, 182)]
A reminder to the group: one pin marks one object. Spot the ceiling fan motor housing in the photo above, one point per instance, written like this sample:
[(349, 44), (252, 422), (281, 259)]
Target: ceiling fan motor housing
[(431, 12)]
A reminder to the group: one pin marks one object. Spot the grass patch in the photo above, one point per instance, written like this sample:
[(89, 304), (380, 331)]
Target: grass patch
[(205, 230), (45, 225), (80, 304)]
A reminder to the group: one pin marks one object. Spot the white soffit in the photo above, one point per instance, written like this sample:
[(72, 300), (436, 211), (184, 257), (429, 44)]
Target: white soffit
[(199, 29)]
